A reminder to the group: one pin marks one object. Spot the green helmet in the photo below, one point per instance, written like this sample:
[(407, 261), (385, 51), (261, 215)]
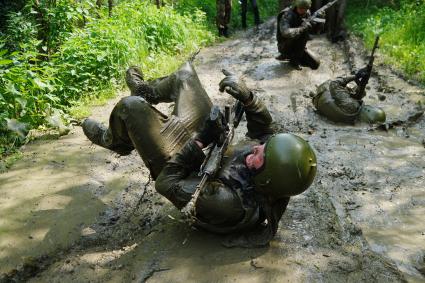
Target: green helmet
[(306, 4), (371, 115), (289, 167)]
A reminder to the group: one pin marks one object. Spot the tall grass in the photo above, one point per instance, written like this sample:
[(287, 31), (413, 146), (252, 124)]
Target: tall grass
[(401, 25), (89, 60)]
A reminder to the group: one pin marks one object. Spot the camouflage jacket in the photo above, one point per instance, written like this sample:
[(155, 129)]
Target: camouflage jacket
[(291, 37), (229, 204), (335, 100)]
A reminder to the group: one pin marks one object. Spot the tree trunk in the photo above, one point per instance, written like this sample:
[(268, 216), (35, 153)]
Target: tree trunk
[(43, 30), (110, 4)]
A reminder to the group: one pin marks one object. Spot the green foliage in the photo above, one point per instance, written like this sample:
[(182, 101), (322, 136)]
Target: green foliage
[(267, 9), (60, 56), (26, 93), (401, 25), (47, 21), (79, 63)]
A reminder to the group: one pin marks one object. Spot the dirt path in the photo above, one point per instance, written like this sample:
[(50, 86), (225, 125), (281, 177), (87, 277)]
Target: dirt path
[(70, 212)]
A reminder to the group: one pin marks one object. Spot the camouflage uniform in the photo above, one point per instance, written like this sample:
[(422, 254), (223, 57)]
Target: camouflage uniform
[(224, 11), (340, 103), (292, 39), (229, 203)]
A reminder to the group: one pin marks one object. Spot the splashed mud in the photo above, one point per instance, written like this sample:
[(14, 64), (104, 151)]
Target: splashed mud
[(74, 212)]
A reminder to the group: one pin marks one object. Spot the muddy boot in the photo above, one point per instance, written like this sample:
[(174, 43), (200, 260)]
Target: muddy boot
[(137, 85), (295, 64), (96, 132), (281, 57), (226, 32)]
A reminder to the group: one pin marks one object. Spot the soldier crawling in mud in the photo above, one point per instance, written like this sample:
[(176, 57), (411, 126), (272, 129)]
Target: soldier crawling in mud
[(339, 102), (293, 32), (250, 192)]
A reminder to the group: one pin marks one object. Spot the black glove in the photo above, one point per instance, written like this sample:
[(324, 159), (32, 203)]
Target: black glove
[(214, 128), (306, 25), (235, 86), (362, 74)]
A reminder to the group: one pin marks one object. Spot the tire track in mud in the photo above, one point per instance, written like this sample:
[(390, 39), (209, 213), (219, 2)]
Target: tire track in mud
[(321, 235)]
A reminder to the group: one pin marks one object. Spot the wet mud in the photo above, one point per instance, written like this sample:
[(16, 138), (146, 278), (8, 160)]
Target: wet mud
[(73, 212)]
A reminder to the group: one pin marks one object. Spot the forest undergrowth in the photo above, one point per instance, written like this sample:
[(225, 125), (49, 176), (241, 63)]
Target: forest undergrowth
[(401, 26), (58, 58)]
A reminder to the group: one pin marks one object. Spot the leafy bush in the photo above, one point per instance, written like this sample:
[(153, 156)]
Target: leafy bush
[(33, 85), (27, 88), (402, 29)]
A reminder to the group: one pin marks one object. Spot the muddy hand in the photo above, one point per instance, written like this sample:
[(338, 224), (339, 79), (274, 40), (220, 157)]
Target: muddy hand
[(213, 128), (235, 86)]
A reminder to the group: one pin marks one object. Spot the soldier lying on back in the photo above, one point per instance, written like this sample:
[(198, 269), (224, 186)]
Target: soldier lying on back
[(250, 192), (339, 102)]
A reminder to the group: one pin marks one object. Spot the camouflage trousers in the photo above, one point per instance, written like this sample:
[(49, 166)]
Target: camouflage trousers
[(136, 124), (224, 11)]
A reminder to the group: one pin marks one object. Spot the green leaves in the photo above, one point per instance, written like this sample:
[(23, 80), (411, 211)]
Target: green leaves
[(402, 29), (75, 60)]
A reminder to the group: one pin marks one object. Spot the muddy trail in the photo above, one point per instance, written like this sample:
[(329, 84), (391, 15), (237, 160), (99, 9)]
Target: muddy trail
[(74, 212)]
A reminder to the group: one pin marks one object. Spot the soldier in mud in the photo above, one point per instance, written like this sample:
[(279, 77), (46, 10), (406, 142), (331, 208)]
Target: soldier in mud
[(224, 11), (251, 190), (293, 33), (244, 10), (340, 102), (334, 19)]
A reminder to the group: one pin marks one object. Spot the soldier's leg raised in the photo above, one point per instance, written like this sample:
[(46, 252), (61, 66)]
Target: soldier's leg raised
[(152, 133), (192, 104), (184, 88), (134, 123)]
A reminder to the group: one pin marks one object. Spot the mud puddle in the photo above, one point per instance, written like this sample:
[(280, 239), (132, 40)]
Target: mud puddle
[(361, 221)]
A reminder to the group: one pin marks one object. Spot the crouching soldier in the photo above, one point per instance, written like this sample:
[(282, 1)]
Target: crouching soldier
[(339, 102), (249, 193), (293, 30)]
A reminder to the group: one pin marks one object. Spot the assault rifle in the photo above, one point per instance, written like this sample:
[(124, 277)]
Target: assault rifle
[(363, 81), (316, 17), (212, 162)]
